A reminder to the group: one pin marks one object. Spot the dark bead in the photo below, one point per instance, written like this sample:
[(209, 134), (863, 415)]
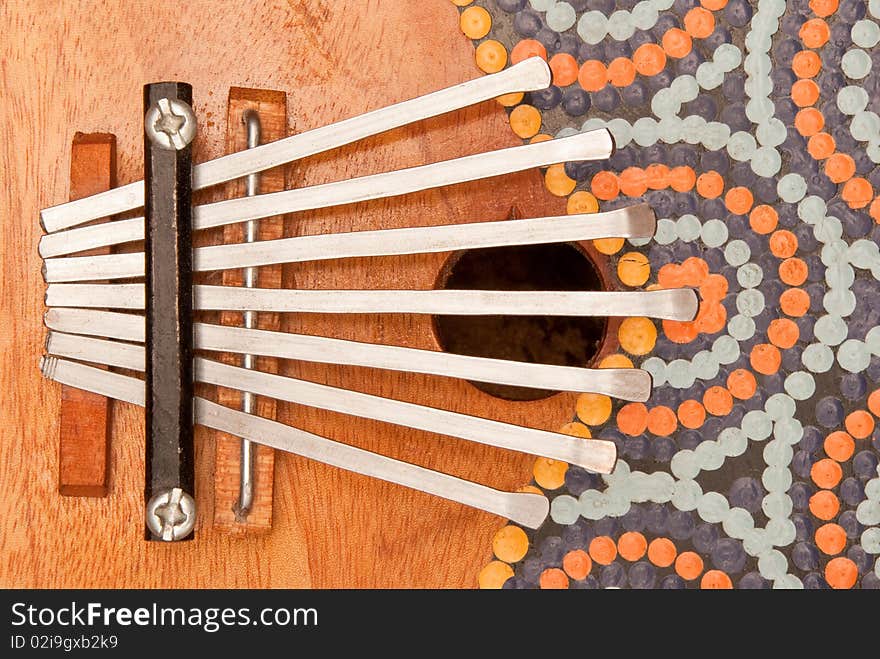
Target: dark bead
[(575, 101), (527, 23)]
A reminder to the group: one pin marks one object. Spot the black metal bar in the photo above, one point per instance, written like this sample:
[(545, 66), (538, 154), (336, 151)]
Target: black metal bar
[(168, 248)]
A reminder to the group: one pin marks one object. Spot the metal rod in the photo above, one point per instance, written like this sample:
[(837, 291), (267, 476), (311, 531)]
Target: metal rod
[(593, 145), (247, 467), (626, 383), (169, 128), (667, 304), (529, 75), (530, 510), (632, 222)]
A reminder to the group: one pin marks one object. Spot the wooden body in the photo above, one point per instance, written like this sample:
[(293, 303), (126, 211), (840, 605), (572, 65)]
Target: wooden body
[(80, 66)]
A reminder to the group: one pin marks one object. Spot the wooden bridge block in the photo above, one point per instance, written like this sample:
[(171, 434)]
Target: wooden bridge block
[(84, 431)]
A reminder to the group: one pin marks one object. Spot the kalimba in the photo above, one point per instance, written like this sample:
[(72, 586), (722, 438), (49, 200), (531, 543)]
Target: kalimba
[(134, 310)]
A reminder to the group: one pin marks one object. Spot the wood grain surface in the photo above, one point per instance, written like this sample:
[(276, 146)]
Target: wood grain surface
[(84, 423), (80, 66)]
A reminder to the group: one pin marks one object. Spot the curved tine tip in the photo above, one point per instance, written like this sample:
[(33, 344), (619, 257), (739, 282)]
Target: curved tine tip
[(537, 73), (644, 220), (690, 303), (603, 456), (532, 510), (639, 384)]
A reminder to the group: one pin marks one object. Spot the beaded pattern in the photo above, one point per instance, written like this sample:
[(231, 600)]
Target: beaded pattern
[(752, 129)]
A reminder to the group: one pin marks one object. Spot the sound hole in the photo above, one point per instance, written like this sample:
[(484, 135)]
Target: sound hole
[(560, 340)]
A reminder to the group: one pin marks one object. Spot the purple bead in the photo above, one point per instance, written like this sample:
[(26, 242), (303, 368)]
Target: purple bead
[(753, 581), (689, 439), (680, 524), (549, 39), (803, 527), (851, 11), (613, 576), (642, 575), (530, 570), (728, 555), (588, 51), (568, 43), (639, 38), (510, 6), (873, 370), (799, 493), (634, 519), (865, 464), (812, 439), (815, 268), (581, 171), (786, 110), (704, 538), (634, 95), (852, 491), (662, 449), (806, 238), (606, 99), (765, 190), (853, 386), (850, 524), (683, 155), (527, 23), (665, 22), (578, 480), (783, 78), (719, 36), (703, 106), (605, 6), (785, 50), (733, 87), (746, 492), (815, 581), (738, 13), (623, 158), (802, 462), (829, 412), (805, 556), (681, 7), (615, 49), (577, 535), (660, 81), (546, 99), (688, 64), (792, 23), (734, 115), (656, 517), (860, 557), (605, 526), (636, 448), (672, 582), (870, 581), (575, 102), (552, 550)]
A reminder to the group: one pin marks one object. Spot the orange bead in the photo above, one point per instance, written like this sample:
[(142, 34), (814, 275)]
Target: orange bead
[(794, 302), (491, 56), (525, 121), (680, 331), (633, 269), (577, 564), (713, 288), (699, 23), (621, 72), (593, 75), (661, 421), (874, 211), (831, 538), (711, 318), (793, 271), (682, 179), (783, 243), (824, 505), (714, 5), (824, 8), (493, 575), (841, 573), (859, 424), (581, 202), (633, 182), (649, 59), (603, 550), (739, 200), (564, 68), (874, 402), (657, 176), (826, 473), (710, 185), (605, 186), (553, 579), (804, 93), (763, 219), (696, 270), (691, 414), (718, 401), (742, 384), (475, 22), (840, 167), (809, 121), (716, 580), (857, 192), (632, 546), (662, 552), (558, 182), (821, 146), (765, 358), (688, 565), (511, 99), (783, 333), (527, 48), (806, 64), (632, 419), (814, 33), (677, 43)]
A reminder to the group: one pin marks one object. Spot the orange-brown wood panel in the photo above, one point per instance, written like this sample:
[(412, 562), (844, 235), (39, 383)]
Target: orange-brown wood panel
[(271, 108), (83, 429), (80, 65)]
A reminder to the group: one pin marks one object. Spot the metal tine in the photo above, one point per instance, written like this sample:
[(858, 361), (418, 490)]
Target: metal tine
[(636, 221), (530, 75), (595, 455), (667, 304), (527, 509), (593, 145), (625, 383)]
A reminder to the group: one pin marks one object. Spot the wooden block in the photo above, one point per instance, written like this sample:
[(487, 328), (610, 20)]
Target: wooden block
[(272, 109), (84, 428)]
